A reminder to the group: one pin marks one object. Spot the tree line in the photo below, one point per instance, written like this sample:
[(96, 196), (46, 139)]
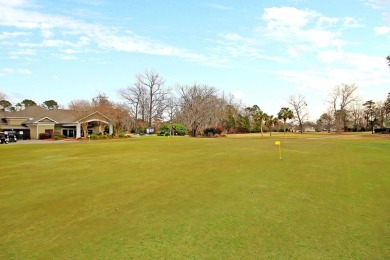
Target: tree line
[(148, 104)]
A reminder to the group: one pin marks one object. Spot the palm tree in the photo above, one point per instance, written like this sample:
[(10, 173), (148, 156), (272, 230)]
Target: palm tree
[(260, 116), (275, 121), (271, 121), (285, 113)]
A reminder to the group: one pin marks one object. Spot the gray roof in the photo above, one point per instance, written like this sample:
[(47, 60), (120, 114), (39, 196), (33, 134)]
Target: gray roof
[(35, 113)]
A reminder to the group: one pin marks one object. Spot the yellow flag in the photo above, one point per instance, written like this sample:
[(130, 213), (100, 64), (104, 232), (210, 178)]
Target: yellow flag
[(280, 149)]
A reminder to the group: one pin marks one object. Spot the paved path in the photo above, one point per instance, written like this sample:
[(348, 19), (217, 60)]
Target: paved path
[(43, 142)]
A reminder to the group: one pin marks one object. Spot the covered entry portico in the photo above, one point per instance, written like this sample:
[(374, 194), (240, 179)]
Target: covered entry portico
[(94, 123)]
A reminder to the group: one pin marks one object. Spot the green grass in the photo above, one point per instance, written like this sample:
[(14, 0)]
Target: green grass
[(181, 198)]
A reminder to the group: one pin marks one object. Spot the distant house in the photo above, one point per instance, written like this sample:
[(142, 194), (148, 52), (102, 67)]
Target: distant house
[(305, 129), (35, 120)]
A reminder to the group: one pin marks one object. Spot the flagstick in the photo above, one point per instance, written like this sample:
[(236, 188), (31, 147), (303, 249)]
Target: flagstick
[(280, 151), (280, 148)]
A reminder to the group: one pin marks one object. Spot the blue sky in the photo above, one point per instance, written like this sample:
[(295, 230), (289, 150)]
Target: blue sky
[(261, 51)]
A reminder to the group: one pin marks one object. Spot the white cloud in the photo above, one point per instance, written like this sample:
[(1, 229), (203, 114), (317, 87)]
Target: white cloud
[(321, 38), (24, 71), (298, 49), (351, 22), (15, 15), (372, 4), (6, 71), (296, 27), (68, 57), (366, 71), (284, 18), (233, 49), (219, 6), (56, 43), (330, 56), (377, 4), (238, 95), (70, 51), (47, 33), (14, 3), (317, 84), (238, 38), (23, 52), (383, 30), (327, 21), (6, 35), (301, 31)]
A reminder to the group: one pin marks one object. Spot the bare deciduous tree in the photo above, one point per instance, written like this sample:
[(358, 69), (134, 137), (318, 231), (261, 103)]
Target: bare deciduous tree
[(299, 106), (119, 116), (80, 105), (156, 94), (2, 96), (84, 127), (340, 97), (197, 107), (356, 114), (82, 108), (102, 104), (172, 108), (136, 96)]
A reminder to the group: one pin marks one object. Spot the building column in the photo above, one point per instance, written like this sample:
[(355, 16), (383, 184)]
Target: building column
[(36, 132), (78, 130), (110, 129)]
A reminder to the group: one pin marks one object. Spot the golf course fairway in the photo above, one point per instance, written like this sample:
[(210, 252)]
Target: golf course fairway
[(198, 198)]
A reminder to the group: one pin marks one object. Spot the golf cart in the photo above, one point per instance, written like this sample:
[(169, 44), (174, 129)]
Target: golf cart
[(8, 137), (3, 138)]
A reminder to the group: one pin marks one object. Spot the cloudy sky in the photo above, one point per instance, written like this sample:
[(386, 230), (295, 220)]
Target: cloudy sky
[(261, 51)]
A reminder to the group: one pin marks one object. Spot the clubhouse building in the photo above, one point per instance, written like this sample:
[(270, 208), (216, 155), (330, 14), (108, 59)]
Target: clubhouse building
[(35, 120)]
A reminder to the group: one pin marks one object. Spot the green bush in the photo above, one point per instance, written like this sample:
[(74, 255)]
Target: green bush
[(123, 134), (178, 129), (209, 131), (140, 130), (213, 131), (57, 137), (99, 136)]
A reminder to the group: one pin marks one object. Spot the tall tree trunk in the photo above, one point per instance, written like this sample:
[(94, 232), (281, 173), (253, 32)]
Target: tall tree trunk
[(150, 107), (261, 129)]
